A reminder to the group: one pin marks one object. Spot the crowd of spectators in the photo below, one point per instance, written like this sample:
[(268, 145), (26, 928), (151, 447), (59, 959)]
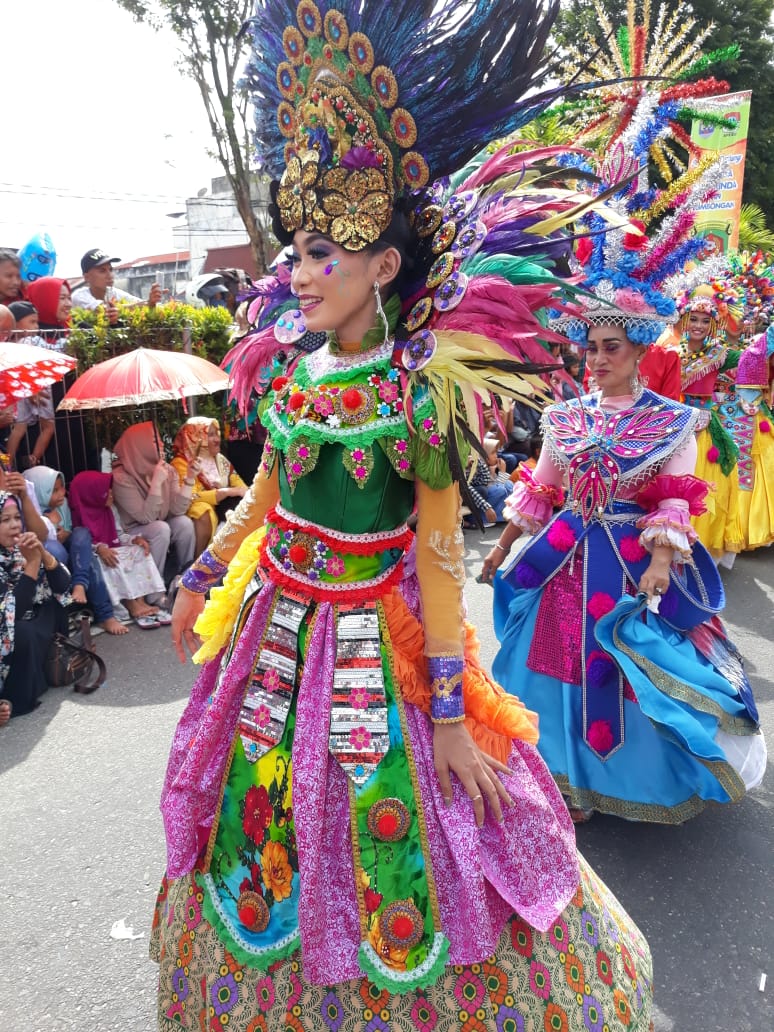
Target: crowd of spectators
[(113, 542)]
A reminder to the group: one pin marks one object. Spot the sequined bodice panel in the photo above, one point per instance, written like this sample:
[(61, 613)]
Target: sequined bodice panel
[(607, 454)]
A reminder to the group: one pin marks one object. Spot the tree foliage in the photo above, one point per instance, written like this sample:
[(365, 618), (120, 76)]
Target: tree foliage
[(747, 24), (211, 53)]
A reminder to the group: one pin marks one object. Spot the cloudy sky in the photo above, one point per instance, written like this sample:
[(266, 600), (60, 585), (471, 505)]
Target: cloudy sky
[(103, 137)]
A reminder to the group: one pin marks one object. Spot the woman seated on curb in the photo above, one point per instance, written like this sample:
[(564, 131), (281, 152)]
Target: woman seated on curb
[(127, 566), (74, 547), (217, 482), (149, 497), (33, 597)]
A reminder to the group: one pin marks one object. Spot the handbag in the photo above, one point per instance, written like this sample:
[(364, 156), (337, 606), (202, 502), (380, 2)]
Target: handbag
[(72, 658)]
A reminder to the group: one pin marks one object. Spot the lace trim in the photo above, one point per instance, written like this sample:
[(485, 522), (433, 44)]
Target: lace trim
[(323, 364)]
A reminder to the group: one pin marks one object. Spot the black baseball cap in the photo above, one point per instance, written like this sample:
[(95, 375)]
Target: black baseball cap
[(96, 256), (21, 309)]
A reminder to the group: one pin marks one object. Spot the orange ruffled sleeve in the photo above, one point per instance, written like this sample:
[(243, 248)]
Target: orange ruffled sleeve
[(492, 716)]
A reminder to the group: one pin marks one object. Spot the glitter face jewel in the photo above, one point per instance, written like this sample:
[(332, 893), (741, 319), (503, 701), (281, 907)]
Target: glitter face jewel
[(330, 267), (290, 326), (419, 350)]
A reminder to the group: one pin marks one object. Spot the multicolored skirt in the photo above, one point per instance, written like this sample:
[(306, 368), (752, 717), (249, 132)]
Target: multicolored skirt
[(589, 972)]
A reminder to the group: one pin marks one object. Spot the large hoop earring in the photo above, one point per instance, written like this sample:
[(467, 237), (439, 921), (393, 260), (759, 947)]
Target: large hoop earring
[(380, 312)]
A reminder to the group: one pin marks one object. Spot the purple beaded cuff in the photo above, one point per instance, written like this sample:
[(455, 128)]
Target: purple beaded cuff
[(203, 573), (446, 703)]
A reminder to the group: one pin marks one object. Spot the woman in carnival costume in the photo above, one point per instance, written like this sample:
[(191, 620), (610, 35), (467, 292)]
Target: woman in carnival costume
[(746, 415), (608, 618), (704, 358), (361, 833)]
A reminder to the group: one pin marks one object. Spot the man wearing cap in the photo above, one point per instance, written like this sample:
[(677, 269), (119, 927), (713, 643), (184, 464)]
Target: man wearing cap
[(97, 269)]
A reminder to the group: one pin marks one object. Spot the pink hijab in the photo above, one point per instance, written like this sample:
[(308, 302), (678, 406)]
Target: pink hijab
[(88, 501)]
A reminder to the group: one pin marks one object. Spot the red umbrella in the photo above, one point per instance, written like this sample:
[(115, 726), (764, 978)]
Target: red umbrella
[(26, 370), (143, 376)]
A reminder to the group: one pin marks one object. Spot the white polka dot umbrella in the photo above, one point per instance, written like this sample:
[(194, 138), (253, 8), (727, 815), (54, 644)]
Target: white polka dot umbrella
[(26, 370)]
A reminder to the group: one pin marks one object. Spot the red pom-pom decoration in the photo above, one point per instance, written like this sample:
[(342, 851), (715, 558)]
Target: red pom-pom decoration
[(713, 454), (297, 554), (296, 400), (764, 426), (278, 383), (352, 399), (600, 736), (561, 537), (600, 604), (631, 549)]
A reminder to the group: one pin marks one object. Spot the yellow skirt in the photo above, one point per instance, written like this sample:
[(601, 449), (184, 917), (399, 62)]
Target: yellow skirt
[(720, 528)]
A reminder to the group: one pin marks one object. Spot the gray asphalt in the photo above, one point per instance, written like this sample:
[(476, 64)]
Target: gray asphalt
[(81, 847)]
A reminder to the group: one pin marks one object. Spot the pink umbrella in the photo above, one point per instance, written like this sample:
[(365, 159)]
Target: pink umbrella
[(142, 376), (26, 369)]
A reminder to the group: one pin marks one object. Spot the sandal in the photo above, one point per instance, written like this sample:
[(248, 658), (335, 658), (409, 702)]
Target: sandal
[(162, 618), (147, 623)]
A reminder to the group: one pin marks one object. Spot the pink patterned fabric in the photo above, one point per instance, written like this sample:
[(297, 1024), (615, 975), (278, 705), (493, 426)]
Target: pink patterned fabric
[(201, 746), (527, 864), (327, 908)]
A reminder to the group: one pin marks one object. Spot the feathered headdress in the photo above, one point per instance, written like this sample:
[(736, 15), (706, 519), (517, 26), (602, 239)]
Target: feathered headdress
[(356, 103)]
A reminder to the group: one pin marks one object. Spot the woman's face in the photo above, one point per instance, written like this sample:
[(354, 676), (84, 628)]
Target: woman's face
[(58, 494), (65, 305), (213, 440), (612, 359), (335, 288), (698, 327), (10, 525)]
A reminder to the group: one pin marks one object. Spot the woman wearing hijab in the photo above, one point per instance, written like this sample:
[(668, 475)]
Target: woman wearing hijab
[(73, 546), (33, 594), (217, 482), (125, 561), (149, 496)]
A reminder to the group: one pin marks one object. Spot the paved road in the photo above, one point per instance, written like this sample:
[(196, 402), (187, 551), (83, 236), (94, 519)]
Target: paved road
[(81, 848)]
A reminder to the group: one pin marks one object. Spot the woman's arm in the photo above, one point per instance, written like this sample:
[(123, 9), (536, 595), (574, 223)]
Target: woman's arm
[(441, 575), (207, 570)]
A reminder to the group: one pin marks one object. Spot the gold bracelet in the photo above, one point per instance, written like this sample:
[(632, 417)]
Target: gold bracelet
[(502, 547)]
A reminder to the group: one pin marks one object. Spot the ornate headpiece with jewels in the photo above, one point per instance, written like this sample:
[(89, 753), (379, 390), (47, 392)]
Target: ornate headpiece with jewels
[(720, 300), (359, 102)]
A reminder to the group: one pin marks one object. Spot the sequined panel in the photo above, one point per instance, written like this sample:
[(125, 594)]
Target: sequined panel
[(358, 732), (556, 648), (270, 689)]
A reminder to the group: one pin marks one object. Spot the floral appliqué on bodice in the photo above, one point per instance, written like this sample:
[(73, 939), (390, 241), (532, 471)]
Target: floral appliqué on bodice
[(608, 453), (356, 401)]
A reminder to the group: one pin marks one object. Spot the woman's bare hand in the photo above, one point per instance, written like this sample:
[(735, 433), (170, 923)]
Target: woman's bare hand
[(455, 752), (185, 613)]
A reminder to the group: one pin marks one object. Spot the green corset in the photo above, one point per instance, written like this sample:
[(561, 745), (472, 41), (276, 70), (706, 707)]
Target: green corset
[(329, 496)]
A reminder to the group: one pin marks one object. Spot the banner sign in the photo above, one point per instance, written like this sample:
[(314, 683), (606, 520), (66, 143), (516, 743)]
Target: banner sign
[(718, 220)]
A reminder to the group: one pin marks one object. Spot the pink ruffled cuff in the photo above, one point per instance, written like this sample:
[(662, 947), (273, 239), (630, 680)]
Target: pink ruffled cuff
[(531, 503), (668, 526), (666, 489)]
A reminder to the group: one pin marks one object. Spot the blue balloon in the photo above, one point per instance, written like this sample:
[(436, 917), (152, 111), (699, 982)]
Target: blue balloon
[(37, 258)]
